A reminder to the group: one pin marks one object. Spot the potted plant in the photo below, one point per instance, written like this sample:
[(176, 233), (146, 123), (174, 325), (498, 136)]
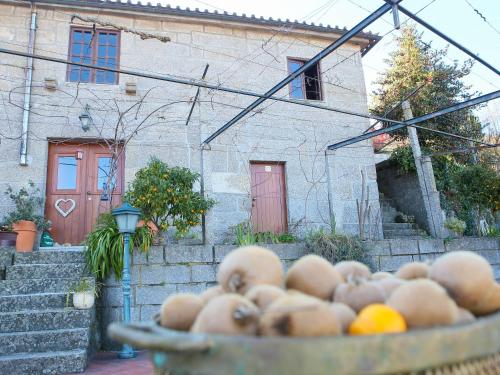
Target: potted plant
[(24, 219), (84, 294)]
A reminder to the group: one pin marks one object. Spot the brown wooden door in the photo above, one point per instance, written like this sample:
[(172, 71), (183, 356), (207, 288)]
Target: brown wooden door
[(269, 212), (75, 195)]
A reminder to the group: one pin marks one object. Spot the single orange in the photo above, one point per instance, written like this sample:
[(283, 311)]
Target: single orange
[(376, 319)]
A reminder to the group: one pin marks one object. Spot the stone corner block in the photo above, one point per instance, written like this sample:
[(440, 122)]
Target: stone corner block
[(427, 246), (377, 247), (288, 251), (403, 246), (221, 251), (188, 254)]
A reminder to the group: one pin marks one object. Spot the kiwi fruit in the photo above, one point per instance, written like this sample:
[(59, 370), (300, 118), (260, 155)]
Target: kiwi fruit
[(423, 303), (263, 295), (179, 311), (345, 314), (381, 275), (389, 284), (464, 316), (299, 316), (228, 314), (413, 270), (211, 292), (352, 268), (358, 293), (248, 266), (469, 280), (314, 276)]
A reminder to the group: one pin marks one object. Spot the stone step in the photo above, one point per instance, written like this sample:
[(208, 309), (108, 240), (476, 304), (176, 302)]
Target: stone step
[(54, 255), (50, 363), (12, 287), (403, 232), (395, 237), (44, 341), (23, 321), (46, 271), (396, 226), (41, 301)]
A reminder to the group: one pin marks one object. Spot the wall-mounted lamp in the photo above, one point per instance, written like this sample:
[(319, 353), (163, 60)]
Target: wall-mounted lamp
[(86, 119)]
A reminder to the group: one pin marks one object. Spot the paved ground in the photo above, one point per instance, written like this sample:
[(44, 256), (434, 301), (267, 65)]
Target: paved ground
[(107, 363)]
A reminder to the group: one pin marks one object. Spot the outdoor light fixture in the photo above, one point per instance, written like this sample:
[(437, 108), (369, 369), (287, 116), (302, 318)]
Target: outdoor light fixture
[(86, 119), (126, 218)]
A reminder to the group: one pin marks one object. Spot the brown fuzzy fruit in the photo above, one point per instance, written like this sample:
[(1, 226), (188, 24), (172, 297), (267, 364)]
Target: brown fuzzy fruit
[(351, 268), (228, 314), (413, 270), (464, 316), (389, 284), (468, 278), (302, 316), (179, 311), (248, 266), (314, 276), (423, 303), (381, 275), (345, 314), (211, 292), (359, 293), (263, 295)]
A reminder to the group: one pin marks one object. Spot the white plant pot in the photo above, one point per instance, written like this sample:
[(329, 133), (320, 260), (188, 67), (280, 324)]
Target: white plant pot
[(83, 300)]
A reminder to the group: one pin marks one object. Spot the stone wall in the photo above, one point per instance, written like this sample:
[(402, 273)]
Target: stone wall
[(175, 269), (403, 190)]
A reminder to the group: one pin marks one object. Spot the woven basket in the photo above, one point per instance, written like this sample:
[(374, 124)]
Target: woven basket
[(469, 349)]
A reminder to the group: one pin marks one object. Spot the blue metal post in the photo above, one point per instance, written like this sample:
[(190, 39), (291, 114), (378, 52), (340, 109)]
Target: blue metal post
[(127, 351)]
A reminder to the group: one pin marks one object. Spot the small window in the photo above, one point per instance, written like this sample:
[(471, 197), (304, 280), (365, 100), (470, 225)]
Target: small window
[(308, 84), (66, 172), (99, 47), (103, 172)]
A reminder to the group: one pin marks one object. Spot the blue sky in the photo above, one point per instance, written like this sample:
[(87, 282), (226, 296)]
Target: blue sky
[(456, 18)]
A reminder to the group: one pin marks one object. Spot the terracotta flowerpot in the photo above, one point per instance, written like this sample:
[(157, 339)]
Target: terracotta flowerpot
[(150, 224), (26, 235), (8, 238)]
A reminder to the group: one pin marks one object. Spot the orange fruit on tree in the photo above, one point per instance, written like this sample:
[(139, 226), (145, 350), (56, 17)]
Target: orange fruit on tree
[(376, 319)]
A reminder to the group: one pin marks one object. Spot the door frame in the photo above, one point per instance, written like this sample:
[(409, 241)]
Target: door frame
[(285, 184)]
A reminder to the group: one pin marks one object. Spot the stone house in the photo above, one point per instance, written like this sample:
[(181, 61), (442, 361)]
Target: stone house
[(270, 168)]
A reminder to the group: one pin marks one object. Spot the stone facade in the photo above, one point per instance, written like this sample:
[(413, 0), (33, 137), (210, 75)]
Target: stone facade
[(241, 55)]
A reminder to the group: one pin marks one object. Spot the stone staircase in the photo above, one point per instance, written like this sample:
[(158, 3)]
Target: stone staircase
[(391, 228), (38, 333)]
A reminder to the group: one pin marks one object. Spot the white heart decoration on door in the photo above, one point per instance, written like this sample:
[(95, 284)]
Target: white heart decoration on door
[(61, 210)]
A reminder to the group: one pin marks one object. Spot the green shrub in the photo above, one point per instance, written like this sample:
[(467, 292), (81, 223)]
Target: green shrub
[(165, 196), (104, 251), (336, 247), (246, 236), (455, 225), (402, 157)]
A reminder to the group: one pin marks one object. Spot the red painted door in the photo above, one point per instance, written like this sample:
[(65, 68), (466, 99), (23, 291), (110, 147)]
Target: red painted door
[(269, 212), (75, 196)]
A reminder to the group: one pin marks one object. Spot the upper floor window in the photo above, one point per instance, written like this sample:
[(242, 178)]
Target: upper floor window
[(97, 47), (308, 84)]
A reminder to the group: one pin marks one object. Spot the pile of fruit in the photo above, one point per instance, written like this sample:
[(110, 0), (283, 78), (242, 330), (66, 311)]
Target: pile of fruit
[(316, 298)]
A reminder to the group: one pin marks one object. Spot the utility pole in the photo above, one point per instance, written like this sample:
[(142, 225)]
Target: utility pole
[(427, 183)]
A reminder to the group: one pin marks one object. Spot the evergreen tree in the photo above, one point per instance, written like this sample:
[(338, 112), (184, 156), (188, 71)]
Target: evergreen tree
[(413, 63)]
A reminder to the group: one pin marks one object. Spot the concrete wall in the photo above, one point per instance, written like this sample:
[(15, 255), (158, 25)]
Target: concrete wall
[(281, 132), (403, 190)]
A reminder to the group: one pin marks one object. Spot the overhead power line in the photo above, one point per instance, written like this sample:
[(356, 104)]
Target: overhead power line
[(197, 83)]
